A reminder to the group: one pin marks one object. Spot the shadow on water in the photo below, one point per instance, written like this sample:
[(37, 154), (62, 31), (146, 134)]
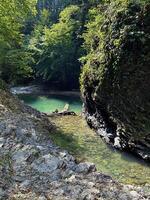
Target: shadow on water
[(128, 156), (69, 142), (28, 99), (131, 157), (75, 136)]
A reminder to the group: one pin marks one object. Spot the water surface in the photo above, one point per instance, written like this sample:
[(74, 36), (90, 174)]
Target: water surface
[(49, 103), (73, 134)]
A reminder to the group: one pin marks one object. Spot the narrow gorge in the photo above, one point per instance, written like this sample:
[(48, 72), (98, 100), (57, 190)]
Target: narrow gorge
[(75, 100), (32, 167)]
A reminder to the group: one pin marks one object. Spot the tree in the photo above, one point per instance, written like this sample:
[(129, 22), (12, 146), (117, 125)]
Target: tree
[(59, 51), (13, 57)]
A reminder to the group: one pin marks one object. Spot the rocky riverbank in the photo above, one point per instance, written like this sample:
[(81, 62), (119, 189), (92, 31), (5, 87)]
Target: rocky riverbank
[(33, 168), (107, 130)]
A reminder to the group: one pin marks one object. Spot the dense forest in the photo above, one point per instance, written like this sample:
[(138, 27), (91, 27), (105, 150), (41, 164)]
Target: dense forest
[(48, 40), (42, 41)]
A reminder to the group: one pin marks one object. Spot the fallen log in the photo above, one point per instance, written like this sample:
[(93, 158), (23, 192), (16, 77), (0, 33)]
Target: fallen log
[(64, 112), (66, 108)]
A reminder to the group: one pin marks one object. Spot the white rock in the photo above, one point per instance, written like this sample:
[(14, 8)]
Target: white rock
[(42, 198), (134, 194), (117, 142)]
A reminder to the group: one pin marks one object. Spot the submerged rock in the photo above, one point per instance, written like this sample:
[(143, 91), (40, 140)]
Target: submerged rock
[(116, 78)]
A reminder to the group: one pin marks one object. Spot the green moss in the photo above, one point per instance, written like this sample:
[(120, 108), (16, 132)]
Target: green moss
[(115, 76)]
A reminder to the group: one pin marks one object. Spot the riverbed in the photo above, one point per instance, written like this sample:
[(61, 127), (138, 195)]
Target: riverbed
[(73, 134)]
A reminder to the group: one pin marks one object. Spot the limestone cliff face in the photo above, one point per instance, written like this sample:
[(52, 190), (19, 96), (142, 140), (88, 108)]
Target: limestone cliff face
[(115, 87)]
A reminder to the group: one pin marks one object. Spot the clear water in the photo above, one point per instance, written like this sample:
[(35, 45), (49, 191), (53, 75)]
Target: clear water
[(73, 134), (50, 103)]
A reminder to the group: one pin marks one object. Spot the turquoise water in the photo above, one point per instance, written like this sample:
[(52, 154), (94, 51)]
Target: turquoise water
[(49, 103), (74, 135)]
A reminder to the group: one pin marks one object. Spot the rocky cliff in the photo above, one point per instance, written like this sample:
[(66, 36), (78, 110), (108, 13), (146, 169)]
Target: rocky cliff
[(116, 78)]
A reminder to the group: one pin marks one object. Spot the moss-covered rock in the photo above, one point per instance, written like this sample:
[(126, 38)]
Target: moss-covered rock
[(116, 77)]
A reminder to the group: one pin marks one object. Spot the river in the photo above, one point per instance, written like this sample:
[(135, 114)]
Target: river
[(73, 134)]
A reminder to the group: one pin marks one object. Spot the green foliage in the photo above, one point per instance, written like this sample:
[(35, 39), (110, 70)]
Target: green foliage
[(13, 14), (98, 30), (49, 40), (13, 57), (57, 55), (56, 47), (115, 75), (54, 7), (16, 65), (51, 44)]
